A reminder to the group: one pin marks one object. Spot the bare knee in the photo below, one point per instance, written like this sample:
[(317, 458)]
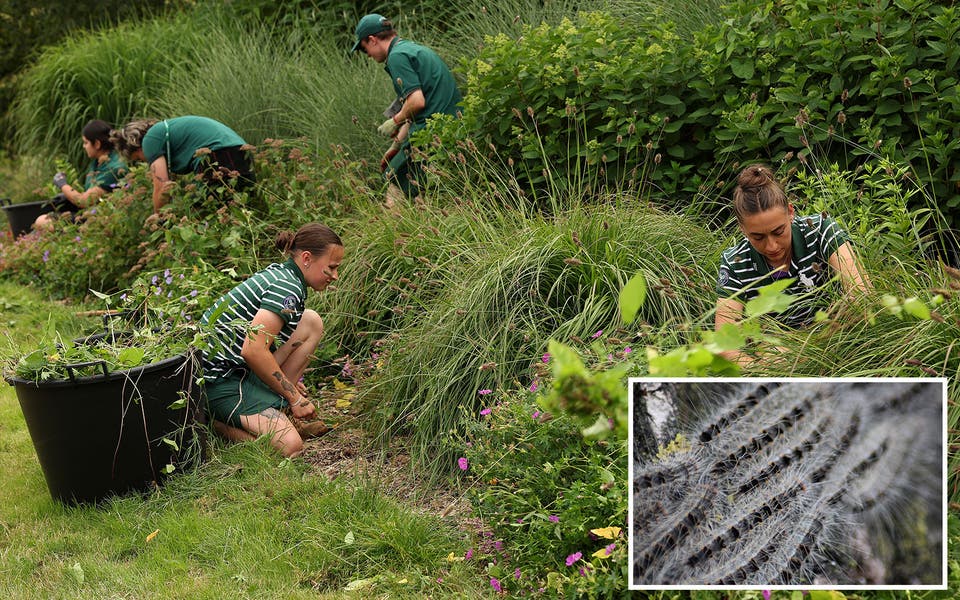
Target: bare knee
[(312, 322), (289, 443)]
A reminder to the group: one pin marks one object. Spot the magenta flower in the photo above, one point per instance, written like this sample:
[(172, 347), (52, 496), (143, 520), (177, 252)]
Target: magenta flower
[(546, 357), (486, 411), (533, 386), (516, 573), (535, 415), (468, 555), (553, 519), (597, 334), (609, 550), (766, 594), (574, 558), (463, 463), (627, 350), (485, 392), (495, 584)]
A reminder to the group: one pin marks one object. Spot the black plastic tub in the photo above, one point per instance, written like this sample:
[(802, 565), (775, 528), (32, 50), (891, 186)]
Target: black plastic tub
[(22, 215), (104, 435)]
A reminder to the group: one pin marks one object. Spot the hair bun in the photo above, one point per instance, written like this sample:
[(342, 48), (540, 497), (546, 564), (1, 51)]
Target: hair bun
[(284, 241)]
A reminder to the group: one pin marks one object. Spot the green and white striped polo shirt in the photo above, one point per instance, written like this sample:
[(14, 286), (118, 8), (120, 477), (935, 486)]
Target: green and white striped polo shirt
[(814, 239), (280, 288)]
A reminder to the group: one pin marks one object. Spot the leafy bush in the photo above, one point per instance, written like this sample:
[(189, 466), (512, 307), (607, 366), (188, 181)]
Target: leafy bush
[(594, 101)]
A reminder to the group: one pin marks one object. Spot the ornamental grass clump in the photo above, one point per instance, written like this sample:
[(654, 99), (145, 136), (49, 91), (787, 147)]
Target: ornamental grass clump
[(529, 281)]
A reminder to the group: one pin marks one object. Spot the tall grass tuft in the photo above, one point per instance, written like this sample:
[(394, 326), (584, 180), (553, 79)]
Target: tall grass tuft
[(520, 282), (110, 74)]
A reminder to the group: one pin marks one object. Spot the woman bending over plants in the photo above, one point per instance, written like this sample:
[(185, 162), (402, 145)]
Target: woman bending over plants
[(104, 175), (264, 338), (184, 145), (779, 244)]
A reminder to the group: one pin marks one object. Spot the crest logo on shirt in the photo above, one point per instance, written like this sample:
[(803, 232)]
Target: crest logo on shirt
[(289, 305), (723, 277), (806, 281)]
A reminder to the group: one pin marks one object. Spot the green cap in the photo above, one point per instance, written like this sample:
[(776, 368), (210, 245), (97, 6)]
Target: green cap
[(370, 25)]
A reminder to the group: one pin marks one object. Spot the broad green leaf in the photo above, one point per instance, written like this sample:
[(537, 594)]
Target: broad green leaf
[(172, 444), (358, 584), (729, 336), (742, 68), (632, 297), (916, 308), (771, 299), (131, 357)]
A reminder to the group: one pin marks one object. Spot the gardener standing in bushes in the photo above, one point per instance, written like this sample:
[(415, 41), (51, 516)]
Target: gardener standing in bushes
[(779, 245), (424, 86), (104, 175), (184, 145), (263, 340)]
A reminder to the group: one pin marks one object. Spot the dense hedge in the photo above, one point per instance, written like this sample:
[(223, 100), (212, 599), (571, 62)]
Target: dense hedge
[(813, 81)]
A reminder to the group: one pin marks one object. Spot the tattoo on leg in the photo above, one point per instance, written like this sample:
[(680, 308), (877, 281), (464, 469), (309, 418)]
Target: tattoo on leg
[(296, 344), (271, 413)]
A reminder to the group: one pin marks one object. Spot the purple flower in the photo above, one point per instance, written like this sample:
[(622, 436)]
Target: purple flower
[(535, 415), (627, 350), (516, 573), (574, 558), (463, 463), (123, 296), (468, 555), (166, 272), (46, 255), (533, 385), (169, 279), (157, 291), (553, 519), (485, 392), (546, 357), (76, 239), (597, 334), (486, 411), (495, 584), (609, 550), (153, 281), (193, 293), (766, 594)]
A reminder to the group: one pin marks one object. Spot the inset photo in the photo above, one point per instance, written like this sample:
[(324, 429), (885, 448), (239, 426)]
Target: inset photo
[(777, 483)]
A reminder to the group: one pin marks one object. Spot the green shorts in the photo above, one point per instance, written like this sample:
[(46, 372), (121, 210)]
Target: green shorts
[(240, 393)]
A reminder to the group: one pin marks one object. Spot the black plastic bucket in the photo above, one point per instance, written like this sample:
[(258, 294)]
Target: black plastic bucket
[(22, 215), (103, 435)]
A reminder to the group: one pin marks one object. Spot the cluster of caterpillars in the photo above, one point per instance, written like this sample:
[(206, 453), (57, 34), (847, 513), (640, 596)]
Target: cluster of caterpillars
[(780, 479)]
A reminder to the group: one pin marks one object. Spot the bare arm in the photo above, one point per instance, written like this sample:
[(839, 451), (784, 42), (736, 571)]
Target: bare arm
[(412, 105), (82, 199), (161, 182), (844, 262), (256, 353), (730, 311)]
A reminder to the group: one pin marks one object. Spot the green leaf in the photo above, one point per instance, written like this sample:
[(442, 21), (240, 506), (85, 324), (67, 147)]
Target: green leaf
[(729, 336), (599, 430), (102, 296), (742, 68), (349, 538), (771, 299), (76, 573), (632, 297), (178, 404), (916, 308), (172, 444), (131, 357), (358, 584)]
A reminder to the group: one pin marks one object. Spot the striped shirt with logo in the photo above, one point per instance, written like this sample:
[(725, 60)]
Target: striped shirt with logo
[(814, 240), (280, 288)]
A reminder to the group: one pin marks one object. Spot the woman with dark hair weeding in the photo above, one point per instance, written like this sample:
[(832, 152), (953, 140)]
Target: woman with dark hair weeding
[(103, 176), (779, 244), (264, 338)]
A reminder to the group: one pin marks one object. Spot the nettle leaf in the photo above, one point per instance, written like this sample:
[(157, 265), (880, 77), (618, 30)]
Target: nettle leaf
[(729, 336), (771, 299), (632, 297)]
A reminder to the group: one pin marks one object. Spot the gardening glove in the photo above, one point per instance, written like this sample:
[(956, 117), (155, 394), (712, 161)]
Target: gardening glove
[(389, 127), (60, 180), (388, 156)]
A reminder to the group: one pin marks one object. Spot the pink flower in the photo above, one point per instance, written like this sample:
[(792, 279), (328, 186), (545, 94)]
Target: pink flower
[(597, 334), (627, 350), (468, 555), (533, 386), (485, 392), (463, 463), (574, 558), (609, 550), (535, 415), (516, 573), (554, 519), (495, 584), (766, 594), (486, 411), (546, 357)]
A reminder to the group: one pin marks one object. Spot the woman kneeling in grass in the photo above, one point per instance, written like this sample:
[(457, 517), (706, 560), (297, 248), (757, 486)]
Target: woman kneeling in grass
[(264, 338), (778, 245)]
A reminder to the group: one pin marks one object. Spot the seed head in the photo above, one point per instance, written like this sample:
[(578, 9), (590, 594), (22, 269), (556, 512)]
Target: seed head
[(907, 83), (530, 111), (657, 158), (841, 117)]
